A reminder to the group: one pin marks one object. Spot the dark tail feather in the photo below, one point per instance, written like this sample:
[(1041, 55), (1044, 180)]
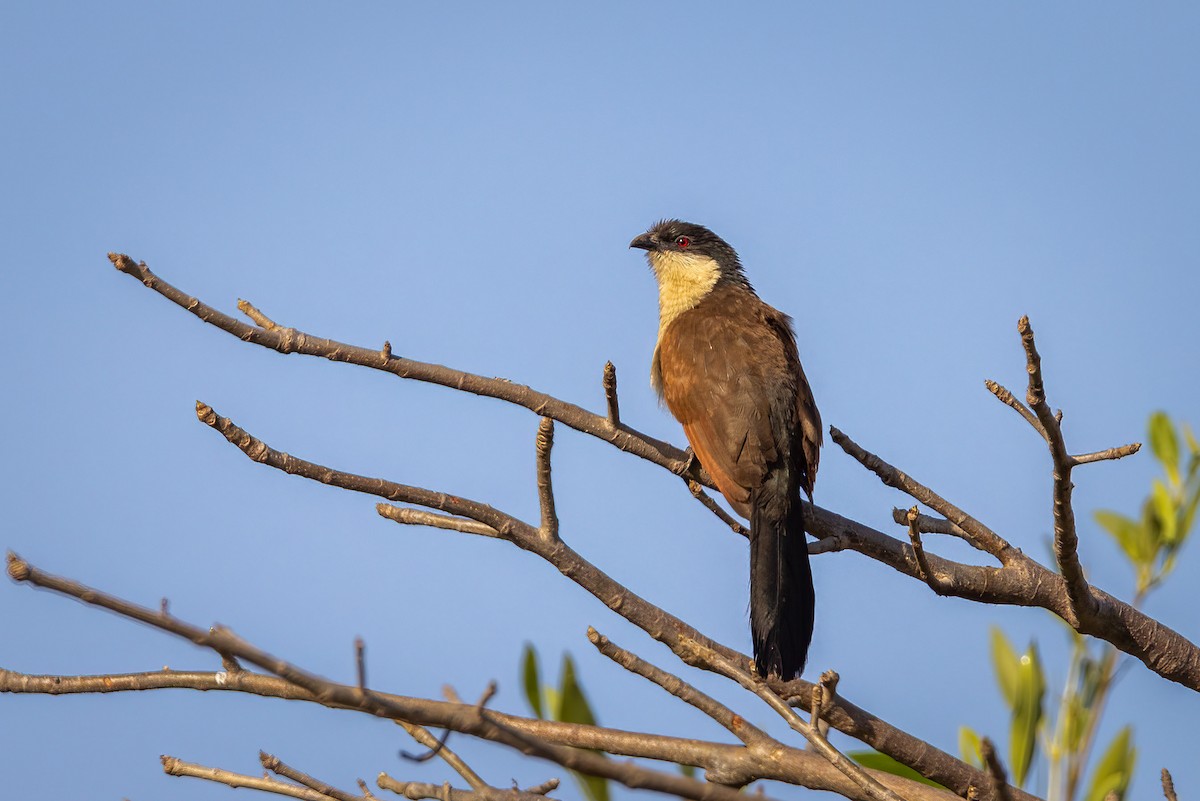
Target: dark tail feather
[(781, 588)]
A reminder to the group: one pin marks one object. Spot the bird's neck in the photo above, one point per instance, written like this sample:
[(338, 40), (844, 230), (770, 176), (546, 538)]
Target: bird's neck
[(683, 281)]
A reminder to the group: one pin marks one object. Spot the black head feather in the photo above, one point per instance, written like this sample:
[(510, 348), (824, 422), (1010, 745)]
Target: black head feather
[(686, 237)]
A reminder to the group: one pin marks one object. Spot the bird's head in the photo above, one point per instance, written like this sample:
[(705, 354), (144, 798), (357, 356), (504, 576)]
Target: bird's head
[(683, 251)]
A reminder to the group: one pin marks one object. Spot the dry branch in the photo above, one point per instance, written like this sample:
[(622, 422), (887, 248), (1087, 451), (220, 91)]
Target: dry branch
[(1160, 648), (177, 767), (793, 766)]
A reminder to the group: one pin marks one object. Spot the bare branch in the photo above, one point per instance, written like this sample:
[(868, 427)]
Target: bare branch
[(259, 451), (548, 786), (1010, 400), (923, 570), (261, 320), (1066, 539), (871, 786), (443, 792), (1163, 650), (999, 779), (1168, 785), (419, 517), (290, 340), (800, 768), (662, 626), (177, 767), (977, 534), (437, 747), (276, 766), (360, 662), (741, 728), (697, 490), (610, 396), (1108, 454), (545, 442), (479, 722), (927, 524)]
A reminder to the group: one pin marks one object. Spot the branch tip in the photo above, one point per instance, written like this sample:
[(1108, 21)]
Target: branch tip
[(1168, 785), (205, 414), (18, 568), (610, 395)]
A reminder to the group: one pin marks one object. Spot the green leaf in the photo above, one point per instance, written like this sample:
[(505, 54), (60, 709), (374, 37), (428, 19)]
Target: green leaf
[(1027, 714), (1187, 516), (1192, 444), (1165, 444), (1164, 511), (1126, 531), (970, 745), (873, 760), (1076, 716), (1006, 665), (571, 706), (1115, 768), (531, 680)]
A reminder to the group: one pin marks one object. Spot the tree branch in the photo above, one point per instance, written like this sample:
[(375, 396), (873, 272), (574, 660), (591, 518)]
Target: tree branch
[(1066, 539), (666, 628), (276, 766), (177, 767), (800, 768)]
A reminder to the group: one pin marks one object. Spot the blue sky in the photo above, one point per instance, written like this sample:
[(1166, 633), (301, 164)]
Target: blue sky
[(906, 180)]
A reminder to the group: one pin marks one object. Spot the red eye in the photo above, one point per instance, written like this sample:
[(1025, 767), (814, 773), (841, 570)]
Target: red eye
[(683, 241)]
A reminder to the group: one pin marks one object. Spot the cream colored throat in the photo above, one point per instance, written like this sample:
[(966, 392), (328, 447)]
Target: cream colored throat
[(683, 281)]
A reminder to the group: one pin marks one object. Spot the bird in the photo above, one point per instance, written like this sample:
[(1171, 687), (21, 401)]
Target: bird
[(728, 369)]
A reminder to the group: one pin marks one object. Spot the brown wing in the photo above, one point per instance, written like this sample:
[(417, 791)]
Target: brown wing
[(724, 370), (807, 419)]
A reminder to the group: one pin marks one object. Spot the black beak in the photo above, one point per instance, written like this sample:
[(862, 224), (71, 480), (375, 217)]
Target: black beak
[(644, 241)]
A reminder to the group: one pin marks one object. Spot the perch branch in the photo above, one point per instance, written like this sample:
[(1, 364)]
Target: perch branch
[(1163, 650)]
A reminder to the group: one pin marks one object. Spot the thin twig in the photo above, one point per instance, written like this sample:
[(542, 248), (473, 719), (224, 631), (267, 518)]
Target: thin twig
[(741, 728), (259, 451), (610, 396), (173, 766), (1066, 539), (927, 524), (275, 765), (545, 443), (443, 792), (1106, 455), (977, 534), (437, 747), (360, 663), (419, 517), (548, 786), (697, 490), (261, 320), (1008, 399), (914, 536), (1168, 785)]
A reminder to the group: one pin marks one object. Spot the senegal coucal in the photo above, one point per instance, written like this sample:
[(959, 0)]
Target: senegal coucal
[(727, 367)]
